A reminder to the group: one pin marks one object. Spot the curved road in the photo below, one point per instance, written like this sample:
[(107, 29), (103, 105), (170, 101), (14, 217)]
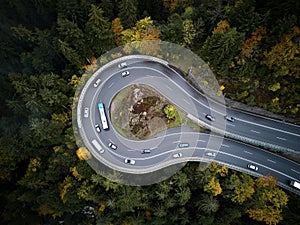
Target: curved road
[(168, 82)]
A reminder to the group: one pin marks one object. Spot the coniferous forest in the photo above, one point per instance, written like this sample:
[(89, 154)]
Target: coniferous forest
[(253, 47)]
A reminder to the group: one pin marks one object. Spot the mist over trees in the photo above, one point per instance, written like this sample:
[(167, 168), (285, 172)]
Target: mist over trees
[(252, 47)]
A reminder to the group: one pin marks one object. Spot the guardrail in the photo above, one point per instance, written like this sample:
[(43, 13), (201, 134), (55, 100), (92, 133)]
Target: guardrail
[(242, 138)]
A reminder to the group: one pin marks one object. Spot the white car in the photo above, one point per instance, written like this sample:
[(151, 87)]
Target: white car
[(129, 161), (98, 128), (122, 65), (125, 73), (210, 117), (112, 146), (86, 112), (229, 118), (252, 167), (210, 154), (97, 83), (177, 155)]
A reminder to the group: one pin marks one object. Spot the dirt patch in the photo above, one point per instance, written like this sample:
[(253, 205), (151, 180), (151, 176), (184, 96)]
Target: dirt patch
[(137, 113)]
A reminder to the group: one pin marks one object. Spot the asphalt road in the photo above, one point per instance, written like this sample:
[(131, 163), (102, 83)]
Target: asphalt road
[(163, 146)]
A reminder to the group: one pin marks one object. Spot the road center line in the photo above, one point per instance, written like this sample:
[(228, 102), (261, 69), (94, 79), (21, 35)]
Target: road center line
[(295, 171), (271, 161), (111, 85), (280, 138), (186, 101), (229, 124), (169, 87), (248, 152), (254, 131), (267, 127)]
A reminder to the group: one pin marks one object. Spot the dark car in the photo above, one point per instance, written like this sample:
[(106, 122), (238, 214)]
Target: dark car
[(145, 151)]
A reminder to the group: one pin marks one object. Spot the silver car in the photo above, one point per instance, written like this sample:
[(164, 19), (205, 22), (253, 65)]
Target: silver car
[(210, 154), (177, 155), (122, 65)]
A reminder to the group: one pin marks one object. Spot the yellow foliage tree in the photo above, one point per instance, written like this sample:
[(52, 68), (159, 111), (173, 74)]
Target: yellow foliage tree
[(170, 4), (117, 29), (143, 30), (83, 153), (272, 200), (222, 26), (250, 43), (213, 187), (284, 57)]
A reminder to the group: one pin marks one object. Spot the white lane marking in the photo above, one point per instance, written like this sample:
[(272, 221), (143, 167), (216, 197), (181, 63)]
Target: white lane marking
[(111, 85), (186, 101), (169, 87), (295, 171), (248, 152), (227, 146), (271, 161), (254, 131), (280, 138), (230, 124), (201, 141), (256, 124)]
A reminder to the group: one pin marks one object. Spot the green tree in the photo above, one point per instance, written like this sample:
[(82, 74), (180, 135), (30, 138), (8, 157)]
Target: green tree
[(98, 32), (208, 204), (127, 12)]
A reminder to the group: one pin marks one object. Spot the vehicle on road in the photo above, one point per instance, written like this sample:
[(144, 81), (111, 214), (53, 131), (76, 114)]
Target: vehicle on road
[(125, 73), (210, 117), (103, 116), (229, 118), (252, 167), (97, 146), (122, 65), (183, 145), (98, 128), (86, 112), (112, 146), (177, 155), (96, 84), (295, 184), (145, 151), (210, 154), (129, 161)]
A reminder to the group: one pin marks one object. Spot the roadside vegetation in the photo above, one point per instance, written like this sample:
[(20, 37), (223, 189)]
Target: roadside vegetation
[(47, 46)]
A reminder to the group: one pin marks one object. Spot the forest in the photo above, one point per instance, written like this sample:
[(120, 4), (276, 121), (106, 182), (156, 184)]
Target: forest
[(253, 47)]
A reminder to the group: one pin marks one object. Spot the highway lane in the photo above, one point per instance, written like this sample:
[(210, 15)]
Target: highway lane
[(163, 147), (253, 126)]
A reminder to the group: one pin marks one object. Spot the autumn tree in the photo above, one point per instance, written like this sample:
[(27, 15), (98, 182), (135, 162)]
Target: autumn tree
[(170, 111), (270, 201), (117, 29)]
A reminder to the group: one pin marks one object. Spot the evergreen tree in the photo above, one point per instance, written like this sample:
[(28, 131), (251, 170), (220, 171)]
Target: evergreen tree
[(128, 12)]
